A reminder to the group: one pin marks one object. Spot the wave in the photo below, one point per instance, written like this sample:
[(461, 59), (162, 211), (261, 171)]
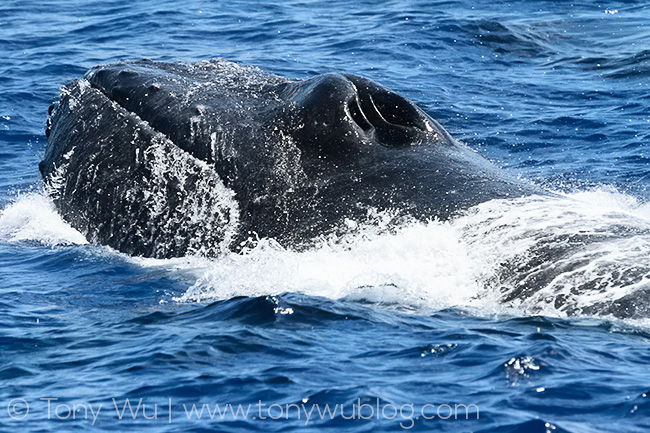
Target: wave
[(33, 218), (582, 253)]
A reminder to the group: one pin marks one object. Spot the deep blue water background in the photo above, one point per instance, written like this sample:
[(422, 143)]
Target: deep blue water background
[(558, 93)]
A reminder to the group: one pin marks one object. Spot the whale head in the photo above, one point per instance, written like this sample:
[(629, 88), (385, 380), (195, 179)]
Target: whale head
[(167, 159)]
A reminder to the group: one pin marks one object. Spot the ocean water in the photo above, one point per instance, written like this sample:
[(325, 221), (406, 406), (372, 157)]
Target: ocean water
[(395, 331)]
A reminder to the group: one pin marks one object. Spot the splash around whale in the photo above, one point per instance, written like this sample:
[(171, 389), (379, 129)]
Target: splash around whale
[(169, 159)]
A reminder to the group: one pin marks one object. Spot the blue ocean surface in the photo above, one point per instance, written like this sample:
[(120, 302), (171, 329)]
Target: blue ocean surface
[(385, 332)]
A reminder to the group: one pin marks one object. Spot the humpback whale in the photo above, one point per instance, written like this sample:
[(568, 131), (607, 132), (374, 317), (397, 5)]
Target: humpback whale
[(173, 159), (169, 159)]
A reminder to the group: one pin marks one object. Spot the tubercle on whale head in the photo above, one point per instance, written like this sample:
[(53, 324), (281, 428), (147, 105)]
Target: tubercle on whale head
[(339, 114)]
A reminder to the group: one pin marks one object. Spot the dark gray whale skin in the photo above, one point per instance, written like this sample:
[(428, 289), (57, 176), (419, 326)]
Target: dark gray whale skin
[(170, 159)]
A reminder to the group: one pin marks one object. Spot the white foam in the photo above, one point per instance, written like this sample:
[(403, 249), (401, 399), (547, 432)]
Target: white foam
[(600, 242), (408, 267), (428, 266), (420, 266), (32, 217)]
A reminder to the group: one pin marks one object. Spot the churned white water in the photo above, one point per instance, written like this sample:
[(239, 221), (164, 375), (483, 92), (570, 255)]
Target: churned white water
[(598, 239), (33, 218)]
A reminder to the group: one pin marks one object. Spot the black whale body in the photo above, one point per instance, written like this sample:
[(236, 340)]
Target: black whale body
[(169, 159)]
